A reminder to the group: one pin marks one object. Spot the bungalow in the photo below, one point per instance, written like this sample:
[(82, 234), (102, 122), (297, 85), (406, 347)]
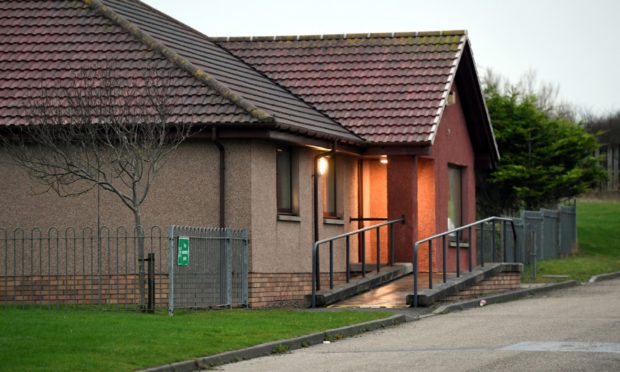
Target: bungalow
[(397, 121)]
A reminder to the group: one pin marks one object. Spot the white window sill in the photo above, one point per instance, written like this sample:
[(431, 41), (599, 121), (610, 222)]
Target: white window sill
[(461, 245), (289, 218), (333, 221)]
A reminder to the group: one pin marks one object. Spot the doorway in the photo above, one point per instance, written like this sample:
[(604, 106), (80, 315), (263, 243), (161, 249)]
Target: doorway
[(373, 207)]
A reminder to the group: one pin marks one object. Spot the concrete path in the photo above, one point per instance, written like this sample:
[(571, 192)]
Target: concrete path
[(576, 329)]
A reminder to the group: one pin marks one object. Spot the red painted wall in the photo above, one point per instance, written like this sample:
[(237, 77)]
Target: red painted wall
[(418, 188), (375, 205), (427, 207), (453, 146), (402, 185)]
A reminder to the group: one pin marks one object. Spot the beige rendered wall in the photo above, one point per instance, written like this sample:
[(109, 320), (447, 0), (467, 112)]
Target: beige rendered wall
[(185, 192), (284, 246)]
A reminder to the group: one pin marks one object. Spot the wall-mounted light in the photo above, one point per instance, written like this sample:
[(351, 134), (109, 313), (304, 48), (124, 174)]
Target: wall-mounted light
[(451, 98), (384, 159), (323, 166)]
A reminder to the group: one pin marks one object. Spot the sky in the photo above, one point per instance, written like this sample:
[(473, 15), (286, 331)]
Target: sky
[(571, 43)]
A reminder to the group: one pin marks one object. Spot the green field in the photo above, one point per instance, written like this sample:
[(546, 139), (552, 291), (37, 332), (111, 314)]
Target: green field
[(35, 339), (598, 232)]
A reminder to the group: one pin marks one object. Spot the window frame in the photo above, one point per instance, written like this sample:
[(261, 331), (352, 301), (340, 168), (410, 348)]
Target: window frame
[(460, 169), (290, 209), (332, 174)]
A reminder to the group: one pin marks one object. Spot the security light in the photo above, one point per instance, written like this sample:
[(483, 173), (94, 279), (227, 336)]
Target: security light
[(322, 166)]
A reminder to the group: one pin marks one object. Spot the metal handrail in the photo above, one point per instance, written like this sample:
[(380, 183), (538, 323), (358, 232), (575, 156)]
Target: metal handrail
[(362, 219), (317, 244), (457, 232)]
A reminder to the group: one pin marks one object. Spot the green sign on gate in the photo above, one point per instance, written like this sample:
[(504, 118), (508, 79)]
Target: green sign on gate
[(183, 257)]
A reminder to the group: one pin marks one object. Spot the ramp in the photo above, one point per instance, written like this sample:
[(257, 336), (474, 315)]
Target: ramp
[(481, 281), (360, 285), (397, 293)]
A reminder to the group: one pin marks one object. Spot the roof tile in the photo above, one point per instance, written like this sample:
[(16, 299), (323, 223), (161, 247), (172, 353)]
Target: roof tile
[(386, 88), (289, 111), (44, 45)]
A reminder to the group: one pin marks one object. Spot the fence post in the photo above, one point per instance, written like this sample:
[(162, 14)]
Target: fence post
[(244, 268), (444, 262), (504, 248), (171, 270), (469, 247), (331, 264), (532, 234), (482, 244), (99, 284), (363, 235), (151, 283), (415, 275), (493, 253), (348, 258), (228, 258), (391, 232), (430, 264), (458, 254), (314, 275), (378, 249)]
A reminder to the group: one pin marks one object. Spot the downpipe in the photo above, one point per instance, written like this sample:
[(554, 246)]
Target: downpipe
[(222, 173)]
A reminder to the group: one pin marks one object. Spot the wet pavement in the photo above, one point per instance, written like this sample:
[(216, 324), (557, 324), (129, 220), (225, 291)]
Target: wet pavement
[(389, 296)]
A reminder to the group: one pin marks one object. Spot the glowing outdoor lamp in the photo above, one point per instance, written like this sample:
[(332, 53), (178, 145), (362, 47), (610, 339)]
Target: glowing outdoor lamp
[(383, 159), (323, 165)]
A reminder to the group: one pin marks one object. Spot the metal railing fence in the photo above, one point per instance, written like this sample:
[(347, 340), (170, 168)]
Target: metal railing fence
[(462, 236), (536, 235), (543, 234), (77, 266), (347, 237), (100, 267)]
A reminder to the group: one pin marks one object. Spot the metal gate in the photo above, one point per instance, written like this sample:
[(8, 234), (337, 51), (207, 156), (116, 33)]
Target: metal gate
[(208, 267)]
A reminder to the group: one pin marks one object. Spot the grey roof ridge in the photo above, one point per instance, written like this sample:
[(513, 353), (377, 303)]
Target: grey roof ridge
[(340, 36), (198, 73)]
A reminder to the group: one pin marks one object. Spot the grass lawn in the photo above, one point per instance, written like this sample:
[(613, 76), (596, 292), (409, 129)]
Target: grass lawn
[(91, 340), (598, 226)]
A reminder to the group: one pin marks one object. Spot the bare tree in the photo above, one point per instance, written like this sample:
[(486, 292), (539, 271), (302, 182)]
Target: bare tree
[(545, 94), (104, 131), (606, 127)]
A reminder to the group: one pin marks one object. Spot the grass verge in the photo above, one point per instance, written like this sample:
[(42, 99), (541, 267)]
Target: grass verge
[(598, 224), (89, 340)]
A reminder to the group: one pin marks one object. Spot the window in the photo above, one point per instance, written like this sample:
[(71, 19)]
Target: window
[(330, 200), (456, 196), (284, 180)]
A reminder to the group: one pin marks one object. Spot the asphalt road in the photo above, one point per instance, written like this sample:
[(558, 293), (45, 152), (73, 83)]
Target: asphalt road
[(576, 329)]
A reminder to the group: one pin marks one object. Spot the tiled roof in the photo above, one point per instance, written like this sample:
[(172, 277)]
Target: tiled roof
[(386, 88), (44, 43), (288, 111)]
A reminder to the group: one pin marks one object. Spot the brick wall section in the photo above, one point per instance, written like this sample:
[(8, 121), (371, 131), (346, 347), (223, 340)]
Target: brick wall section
[(77, 289), (265, 289), (503, 282), (284, 289)]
